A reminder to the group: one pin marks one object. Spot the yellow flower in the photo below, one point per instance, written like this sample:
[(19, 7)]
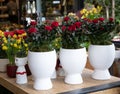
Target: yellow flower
[(94, 10), (4, 48), (19, 47), (5, 41), (99, 8), (15, 45), (11, 44), (83, 11), (25, 44), (20, 36), (14, 36), (19, 41), (1, 33), (24, 34)]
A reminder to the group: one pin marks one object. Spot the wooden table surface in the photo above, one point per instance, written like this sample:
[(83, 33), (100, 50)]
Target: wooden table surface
[(58, 84)]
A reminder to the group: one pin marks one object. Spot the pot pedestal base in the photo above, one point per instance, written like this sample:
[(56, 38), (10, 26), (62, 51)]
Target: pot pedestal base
[(101, 74), (73, 79), (43, 84)]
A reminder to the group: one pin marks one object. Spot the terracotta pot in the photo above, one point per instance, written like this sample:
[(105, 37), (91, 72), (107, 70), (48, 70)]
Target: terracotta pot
[(11, 70)]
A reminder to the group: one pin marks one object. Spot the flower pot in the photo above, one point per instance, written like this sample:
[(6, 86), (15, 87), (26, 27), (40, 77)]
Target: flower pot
[(73, 62), (21, 75), (42, 66), (3, 63), (11, 70), (101, 57)]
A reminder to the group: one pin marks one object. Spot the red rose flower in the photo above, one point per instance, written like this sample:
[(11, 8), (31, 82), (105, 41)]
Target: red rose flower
[(111, 19), (32, 30), (66, 18), (54, 24), (20, 31), (95, 21), (33, 23), (72, 28), (63, 28), (78, 24), (49, 28), (11, 33), (101, 19)]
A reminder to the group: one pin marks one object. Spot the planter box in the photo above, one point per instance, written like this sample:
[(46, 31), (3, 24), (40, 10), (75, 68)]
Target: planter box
[(3, 63)]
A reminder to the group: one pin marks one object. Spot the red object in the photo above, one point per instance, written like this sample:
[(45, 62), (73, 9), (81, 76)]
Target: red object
[(11, 70), (21, 73)]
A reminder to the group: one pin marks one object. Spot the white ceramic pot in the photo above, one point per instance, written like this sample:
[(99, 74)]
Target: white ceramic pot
[(42, 66), (101, 57), (3, 63), (73, 62), (21, 75)]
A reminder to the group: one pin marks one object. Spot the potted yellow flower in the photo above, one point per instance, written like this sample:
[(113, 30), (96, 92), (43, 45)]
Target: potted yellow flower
[(3, 56), (13, 44)]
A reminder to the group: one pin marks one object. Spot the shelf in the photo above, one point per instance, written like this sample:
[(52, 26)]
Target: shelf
[(4, 15), (3, 7), (2, 0)]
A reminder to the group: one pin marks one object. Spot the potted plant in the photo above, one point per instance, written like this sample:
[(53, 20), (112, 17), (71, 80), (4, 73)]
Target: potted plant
[(11, 45), (101, 52), (41, 54), (3, 56), (73, 52)]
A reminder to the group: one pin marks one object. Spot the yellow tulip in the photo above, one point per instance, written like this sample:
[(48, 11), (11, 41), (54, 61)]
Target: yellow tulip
[(14, 36), (25, 44), (4, 48), (15, 45), (19, 41), (5, 41)]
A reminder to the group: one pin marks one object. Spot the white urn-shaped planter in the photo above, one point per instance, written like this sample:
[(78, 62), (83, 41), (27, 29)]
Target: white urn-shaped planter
[(42, 66), (101, 57), (21, 75), (73, 62)]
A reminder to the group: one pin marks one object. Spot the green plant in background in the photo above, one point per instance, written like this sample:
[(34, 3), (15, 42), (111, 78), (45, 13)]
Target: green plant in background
[(117, 10)]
